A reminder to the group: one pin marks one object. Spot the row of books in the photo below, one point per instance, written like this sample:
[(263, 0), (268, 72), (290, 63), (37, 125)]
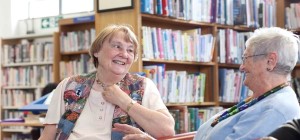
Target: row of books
[(292, 15), (16, 98), (79, 65), (231, 85), (177, 86), (18, 136), (188, 119), (28, 52), (252, 13), (167, 44), (10, 114), (231, 45), (37, 75), (77, 40)]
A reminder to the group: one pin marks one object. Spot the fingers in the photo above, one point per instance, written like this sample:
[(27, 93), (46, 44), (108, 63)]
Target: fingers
[(143, 136), (126, 129)]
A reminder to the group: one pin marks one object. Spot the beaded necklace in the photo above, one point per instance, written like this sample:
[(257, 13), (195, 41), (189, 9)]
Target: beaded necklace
[(245, 104), (100, 83), (103, 85)]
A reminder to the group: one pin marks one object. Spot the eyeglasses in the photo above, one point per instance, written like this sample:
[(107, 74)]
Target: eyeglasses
[(246, 57)]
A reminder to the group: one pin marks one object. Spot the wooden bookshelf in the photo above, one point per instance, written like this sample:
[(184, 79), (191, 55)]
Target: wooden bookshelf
[(69, 29), (38, 40), (137, 19)]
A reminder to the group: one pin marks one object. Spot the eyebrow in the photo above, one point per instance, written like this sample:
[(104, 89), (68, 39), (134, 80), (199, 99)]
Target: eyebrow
[(119, 43)]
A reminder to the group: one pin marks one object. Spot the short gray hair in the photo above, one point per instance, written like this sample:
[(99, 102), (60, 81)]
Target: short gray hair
[(274, 39)]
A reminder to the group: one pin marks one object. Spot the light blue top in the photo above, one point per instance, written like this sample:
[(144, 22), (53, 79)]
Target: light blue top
[(256, 121)]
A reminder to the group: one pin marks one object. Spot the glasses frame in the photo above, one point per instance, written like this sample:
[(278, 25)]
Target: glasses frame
[(249, 56)]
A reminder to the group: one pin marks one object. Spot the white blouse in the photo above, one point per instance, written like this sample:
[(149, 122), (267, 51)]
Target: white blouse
[(95, 121)]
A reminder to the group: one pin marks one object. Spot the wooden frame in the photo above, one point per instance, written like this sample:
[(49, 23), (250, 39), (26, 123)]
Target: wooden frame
[(111, 5)]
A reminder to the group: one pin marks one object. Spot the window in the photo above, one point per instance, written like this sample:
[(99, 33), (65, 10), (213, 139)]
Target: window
[(25, 9), (43, 8), (77, 6)]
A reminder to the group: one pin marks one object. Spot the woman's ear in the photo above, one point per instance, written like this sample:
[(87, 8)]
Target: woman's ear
[(96, 54), (272, 60)]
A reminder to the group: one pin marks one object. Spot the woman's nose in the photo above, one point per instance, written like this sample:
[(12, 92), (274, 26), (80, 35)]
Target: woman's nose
[(124, 53), (242, 67)]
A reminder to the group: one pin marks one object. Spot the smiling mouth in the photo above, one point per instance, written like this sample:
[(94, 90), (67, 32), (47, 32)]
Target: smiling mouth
[(119, 62)]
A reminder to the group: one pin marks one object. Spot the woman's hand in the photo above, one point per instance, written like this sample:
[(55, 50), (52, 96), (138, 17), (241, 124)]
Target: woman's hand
[(131, 133), (113, 94), (126, 129)]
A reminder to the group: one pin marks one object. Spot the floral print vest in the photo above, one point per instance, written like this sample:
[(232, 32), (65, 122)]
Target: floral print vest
[(77, 91)]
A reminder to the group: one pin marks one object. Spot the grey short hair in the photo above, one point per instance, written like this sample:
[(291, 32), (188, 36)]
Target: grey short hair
[(274, 39)]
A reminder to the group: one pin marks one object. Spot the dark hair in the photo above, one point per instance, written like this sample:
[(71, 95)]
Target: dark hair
[(48, 88)]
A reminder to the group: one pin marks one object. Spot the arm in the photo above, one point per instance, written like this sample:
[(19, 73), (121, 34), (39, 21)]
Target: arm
[(55, 110), (150, 114), (49, 132), (151, 120)]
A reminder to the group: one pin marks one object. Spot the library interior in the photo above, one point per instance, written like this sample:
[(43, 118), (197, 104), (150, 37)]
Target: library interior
[(191, 50)]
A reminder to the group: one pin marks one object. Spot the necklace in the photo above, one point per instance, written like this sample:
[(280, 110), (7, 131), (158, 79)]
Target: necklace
[(100, 83), (103, 85), (245, 104)]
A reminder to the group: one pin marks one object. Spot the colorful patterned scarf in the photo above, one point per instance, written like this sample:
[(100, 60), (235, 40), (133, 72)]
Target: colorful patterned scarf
[(77, 91)]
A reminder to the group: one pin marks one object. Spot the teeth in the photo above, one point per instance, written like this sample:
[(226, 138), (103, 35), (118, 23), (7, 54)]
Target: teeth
[(119, 62)]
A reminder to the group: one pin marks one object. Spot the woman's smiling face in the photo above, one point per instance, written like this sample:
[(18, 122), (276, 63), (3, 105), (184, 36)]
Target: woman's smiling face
[(254, 70), (116, 55)]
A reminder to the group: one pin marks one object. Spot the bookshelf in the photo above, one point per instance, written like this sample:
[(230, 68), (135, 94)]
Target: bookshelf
[(138, 20), (27, 65), (73, 41)]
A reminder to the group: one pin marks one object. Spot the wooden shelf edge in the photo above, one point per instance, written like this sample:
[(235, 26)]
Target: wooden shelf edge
[(191, 104), (22, 87), (28, 36), (152, 17), (227, 103), (27, 64), (179, 62), (77, 20), (225, 65), (19, 124), (75, 52)]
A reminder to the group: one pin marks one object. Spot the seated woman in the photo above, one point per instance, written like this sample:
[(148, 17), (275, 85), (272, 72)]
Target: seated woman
[(269, 58)]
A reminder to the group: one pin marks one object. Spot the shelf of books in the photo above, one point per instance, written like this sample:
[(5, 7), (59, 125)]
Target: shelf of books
[(75, 38), (190, 48), (26, 67), (178, 55), (292, 19)]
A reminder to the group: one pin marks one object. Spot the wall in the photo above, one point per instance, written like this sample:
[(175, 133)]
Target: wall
[(9, 28), (5, 20)]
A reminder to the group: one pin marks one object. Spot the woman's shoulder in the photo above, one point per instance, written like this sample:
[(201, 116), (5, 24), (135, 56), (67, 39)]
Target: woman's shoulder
[(284, 102), (133, 77)]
